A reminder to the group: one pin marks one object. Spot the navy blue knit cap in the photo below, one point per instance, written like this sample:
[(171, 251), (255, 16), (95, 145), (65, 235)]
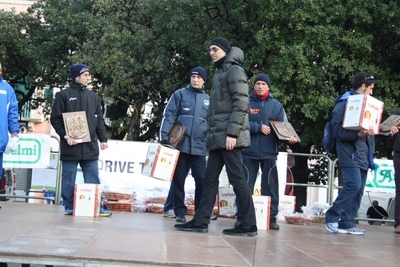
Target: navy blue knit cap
[(199, 71), (263, 77), (77, 70)]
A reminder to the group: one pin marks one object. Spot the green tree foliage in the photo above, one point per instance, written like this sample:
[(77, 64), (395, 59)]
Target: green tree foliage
[(140, 51)]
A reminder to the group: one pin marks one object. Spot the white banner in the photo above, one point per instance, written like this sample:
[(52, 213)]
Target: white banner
[(33, 151)]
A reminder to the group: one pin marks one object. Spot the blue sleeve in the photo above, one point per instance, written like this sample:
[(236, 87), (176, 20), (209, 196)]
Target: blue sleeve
[(13, 125), (170, 116)]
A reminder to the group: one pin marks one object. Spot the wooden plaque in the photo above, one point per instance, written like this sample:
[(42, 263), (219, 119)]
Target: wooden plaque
[(76, 126), (284, 130), (393, 120)]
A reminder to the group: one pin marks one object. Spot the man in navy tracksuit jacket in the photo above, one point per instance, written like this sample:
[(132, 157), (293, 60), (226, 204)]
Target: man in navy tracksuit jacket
[(188, 107), (355, 156), (264, 147)]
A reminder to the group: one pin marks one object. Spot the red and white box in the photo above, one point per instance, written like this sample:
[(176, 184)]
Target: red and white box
[(363, 111), (226, 202), (160, 162), (87, 200), (262, 207), (287, 206)]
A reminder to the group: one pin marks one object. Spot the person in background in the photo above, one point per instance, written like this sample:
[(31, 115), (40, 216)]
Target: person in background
[(376, 212), (188, 107), (355, 155), (394, 142), (77, 97), (8, 117), (228, 133), (264, 148)]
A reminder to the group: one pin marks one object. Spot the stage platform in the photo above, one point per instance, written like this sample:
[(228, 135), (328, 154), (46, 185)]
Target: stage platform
[(41, 235)]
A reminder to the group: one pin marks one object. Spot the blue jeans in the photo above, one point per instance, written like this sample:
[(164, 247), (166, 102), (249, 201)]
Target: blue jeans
[(197, 165), (269, 181), (90, 170), (169, 203), (232, 160), (345, 207)]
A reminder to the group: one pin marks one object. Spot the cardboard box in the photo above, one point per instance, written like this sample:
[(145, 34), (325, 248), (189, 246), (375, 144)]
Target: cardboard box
[(363, 111), (87, 200), (262, 207), (287, 206), (226, 202), (160, 162)]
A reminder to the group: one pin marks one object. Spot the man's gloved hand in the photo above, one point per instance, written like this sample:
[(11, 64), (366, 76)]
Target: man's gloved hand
[(12, 144)]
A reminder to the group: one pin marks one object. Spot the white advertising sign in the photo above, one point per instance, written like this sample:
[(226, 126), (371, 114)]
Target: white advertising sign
[(33, 151)]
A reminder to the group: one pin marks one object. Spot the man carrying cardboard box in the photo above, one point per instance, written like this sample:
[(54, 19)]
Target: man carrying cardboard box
[(355, 154)]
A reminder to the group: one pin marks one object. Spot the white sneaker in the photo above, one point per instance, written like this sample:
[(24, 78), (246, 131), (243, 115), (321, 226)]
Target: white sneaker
[(351, 231), (169, 214)]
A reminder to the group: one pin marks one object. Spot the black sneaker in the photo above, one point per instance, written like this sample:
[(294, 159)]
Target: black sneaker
[(242, 230), (180, 218), (273, 225), (192, 226)]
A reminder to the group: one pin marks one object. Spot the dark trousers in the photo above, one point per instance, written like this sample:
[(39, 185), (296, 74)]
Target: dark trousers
[(396, 162), (197, 166), (232, 160), (269, 180), (347, 203), (169, 203)]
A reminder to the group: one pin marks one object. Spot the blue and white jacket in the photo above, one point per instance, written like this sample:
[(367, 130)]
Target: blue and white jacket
[(8, 114), (352, 151), (188, 107)]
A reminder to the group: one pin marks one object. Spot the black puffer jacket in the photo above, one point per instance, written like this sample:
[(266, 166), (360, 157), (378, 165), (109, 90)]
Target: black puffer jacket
[(229, 103), (78, 98)]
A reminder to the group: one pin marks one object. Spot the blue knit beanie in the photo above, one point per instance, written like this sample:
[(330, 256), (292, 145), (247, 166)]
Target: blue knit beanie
[(199, 71), (263, 77), (77, 70)]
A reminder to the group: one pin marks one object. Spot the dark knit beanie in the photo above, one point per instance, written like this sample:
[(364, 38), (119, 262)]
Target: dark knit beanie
[(263, 77), (222, 43), (199, 71), (77, 70)]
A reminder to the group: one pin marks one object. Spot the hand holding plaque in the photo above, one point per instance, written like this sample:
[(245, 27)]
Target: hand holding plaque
[(284, 130)]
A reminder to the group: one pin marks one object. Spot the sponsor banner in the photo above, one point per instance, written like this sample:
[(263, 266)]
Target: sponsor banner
[(382, 178), (33, 151)]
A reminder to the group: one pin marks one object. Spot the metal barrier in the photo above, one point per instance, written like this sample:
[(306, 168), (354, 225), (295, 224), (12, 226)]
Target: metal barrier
[(330, 174)]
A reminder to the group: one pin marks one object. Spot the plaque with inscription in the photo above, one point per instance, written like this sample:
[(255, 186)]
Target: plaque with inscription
[(284, 130), (76, 126), (393, 120)]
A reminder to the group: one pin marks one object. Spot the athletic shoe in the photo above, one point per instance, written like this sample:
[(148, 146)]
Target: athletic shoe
[(351, 231), (104, 213), (242, 231), (192, 226), (68, 211), (332, 227), (169, 214)]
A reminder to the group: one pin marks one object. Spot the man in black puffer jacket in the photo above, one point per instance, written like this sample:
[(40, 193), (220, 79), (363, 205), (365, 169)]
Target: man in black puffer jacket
[(78, 98), (228, 133)]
